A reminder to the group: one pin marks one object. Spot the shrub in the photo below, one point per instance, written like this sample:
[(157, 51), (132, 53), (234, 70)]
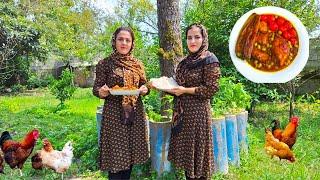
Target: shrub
[(152, 105), (63, 88), (230, 98), (35, 81), (17, 88)]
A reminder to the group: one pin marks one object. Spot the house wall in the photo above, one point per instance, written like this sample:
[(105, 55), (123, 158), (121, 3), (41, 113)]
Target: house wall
[(84, 76)]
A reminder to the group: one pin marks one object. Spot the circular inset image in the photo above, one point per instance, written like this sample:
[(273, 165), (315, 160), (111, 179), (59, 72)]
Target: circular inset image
[(269, 45)]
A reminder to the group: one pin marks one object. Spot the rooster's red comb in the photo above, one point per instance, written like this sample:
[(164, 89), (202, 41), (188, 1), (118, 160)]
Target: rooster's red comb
[(294, 119)]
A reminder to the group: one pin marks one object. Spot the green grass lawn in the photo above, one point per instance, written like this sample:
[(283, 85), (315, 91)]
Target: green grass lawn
[(19, 114)]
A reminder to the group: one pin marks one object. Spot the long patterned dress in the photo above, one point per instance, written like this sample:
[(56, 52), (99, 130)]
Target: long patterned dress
[(121, 145), (192, 148)]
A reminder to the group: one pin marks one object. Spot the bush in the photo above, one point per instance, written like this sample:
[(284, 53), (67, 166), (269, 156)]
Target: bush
[(35, 81), (63, 88), (152, 101), (17, 88), (152, 106), (230, 98)]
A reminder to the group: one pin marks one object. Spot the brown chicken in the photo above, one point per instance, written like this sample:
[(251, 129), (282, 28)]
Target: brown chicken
[(289, 134), (274, 147), (16, 153), (281, 50), (48, 157)]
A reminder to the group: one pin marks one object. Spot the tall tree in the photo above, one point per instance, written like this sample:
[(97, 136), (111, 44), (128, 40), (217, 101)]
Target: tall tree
[(68, 27), (19, 45), (169, 39), (141, 13)]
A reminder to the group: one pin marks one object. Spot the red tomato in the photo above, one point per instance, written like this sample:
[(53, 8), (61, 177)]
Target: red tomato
[(271, 18), (264, 18), (293, 32), (283, 28), (288, 24), (273, 26), (293, 41), (286, 35), (280, 20)]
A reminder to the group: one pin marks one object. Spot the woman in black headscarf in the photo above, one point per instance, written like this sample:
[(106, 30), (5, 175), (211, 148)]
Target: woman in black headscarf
[(197, 76), (124, 135)]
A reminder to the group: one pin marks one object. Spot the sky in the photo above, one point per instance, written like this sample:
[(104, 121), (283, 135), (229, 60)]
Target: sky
[(105, 5)]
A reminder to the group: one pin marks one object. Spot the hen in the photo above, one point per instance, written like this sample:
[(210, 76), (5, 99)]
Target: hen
[(274, 147), (289, 134), (59, 161), (16, 153)]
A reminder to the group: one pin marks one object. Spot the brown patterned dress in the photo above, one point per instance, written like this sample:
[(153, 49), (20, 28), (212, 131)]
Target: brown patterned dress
[(192, 149), (121, 145)]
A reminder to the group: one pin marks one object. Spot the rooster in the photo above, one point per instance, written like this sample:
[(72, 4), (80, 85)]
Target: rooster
[(16, 153), (289, 134), (274, 147), (59, 161)]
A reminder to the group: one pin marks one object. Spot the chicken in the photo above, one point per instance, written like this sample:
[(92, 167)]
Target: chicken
[(16, 153), (260, 55), (289, 134), (59, 161), (276, 131), (263, 27), (262, 38), (274, 147), (36, 161), (281, 50)]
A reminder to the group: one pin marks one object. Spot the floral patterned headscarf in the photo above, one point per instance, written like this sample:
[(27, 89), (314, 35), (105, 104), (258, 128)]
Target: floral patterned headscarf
[(133, 73)]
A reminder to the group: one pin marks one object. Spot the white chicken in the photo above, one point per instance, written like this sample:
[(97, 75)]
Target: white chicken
[(59, 161)]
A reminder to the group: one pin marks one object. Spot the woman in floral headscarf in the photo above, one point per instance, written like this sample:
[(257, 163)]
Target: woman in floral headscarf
[(124, 138), (197, 76)]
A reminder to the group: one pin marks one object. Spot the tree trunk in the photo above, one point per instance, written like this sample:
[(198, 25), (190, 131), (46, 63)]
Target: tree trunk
[(170, 41), (292, 98)]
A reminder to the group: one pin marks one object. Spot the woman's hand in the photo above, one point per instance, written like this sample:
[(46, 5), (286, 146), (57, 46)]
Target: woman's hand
[(104, 91), (143, 90), (178, 90)]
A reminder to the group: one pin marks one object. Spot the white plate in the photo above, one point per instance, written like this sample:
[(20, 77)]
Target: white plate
[(164, 83), (283, 75), (125, 92)]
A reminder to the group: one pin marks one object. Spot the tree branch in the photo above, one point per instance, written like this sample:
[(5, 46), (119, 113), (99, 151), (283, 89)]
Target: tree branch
[(152, 26), (155, 27), (316, 74), (148, 32)]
